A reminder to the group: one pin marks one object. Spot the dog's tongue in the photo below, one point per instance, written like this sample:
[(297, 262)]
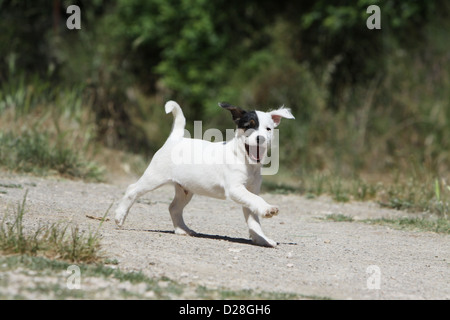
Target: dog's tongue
[(254, 153)]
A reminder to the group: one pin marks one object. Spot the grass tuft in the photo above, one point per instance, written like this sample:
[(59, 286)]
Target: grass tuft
[(52, 241)]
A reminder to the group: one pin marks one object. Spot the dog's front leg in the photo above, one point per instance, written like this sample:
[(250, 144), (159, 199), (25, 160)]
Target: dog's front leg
[(255, 203), (254, 228)]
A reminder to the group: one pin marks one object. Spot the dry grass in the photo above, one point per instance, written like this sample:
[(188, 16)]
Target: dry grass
[(56, 241)]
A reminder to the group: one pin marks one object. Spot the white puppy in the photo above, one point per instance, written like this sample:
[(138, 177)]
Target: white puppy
[(234, 174)]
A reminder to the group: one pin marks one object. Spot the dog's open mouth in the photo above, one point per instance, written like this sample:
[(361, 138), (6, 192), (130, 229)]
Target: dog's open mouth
[(256, 153)]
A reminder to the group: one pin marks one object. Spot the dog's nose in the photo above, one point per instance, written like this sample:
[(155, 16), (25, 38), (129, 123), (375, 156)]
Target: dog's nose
[(260, 139)]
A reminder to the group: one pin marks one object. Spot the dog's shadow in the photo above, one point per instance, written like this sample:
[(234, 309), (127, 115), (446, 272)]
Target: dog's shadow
[(201, 235), (209, 236)]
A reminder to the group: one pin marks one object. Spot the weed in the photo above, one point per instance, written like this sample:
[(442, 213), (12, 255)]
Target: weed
[(338, 192), (245, 294), (48, 281), (11, 185), (55, 240), (339, 218), (46, 128), (34, 152), (278, 188), (439, 225), (420, 192)]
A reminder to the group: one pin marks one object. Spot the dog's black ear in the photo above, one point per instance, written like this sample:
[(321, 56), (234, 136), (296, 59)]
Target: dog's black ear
[(236, 112)]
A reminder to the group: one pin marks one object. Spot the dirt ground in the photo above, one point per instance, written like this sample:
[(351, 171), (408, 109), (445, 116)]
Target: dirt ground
[(314, 257)]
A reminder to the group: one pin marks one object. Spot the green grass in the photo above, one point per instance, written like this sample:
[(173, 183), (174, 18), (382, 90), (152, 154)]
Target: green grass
[(54, 241), (420, 192), (246, 294), (424, 194), (440, 225), (339, 218), (11, 185), (46, 129), (53, 280), (47, 280), (278, 188), (34, 152)]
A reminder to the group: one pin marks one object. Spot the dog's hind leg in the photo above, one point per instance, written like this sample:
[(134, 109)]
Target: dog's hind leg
[(182, 198), (134, 191)]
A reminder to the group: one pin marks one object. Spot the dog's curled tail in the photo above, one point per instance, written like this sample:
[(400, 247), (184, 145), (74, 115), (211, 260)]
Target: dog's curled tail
[(179, 121)]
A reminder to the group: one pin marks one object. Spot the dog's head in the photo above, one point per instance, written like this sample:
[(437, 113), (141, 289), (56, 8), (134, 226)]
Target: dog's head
[(255, 129)]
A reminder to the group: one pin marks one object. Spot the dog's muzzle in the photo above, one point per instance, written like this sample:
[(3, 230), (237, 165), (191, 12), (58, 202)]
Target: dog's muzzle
[(256, 152)]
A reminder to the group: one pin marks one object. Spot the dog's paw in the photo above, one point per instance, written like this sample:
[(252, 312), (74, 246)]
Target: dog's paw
[(264, 241), (271, 243), (270, 212), (119, 219), (185, 231)]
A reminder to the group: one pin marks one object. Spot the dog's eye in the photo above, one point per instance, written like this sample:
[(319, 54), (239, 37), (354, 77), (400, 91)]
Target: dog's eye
[(268, 129)]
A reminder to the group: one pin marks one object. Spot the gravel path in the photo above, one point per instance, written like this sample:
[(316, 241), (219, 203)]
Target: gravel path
[(315, 257)]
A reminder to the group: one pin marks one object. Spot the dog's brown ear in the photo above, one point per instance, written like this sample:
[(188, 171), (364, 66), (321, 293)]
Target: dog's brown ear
[(236, 112)]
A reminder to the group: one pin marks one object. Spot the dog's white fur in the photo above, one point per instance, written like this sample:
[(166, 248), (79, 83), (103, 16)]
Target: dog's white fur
[(233, 179)]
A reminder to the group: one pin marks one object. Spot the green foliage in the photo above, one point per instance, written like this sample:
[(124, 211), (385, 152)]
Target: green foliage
[(189, 45), (22, 40), (366, 101)]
